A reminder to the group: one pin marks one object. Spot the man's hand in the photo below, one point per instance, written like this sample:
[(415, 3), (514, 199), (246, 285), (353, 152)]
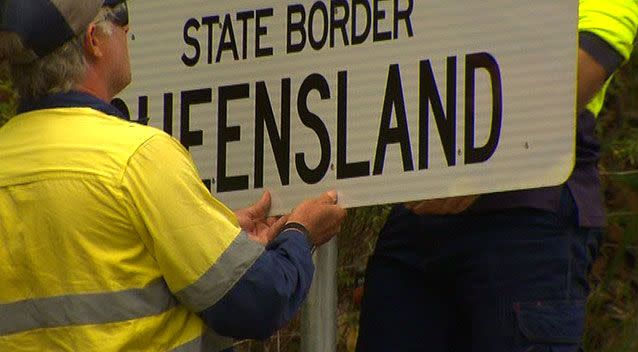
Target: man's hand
[(321, 216), (253, 220), (441, 206)]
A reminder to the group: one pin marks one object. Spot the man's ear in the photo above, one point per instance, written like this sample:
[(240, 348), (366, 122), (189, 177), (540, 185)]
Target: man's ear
[(93, 42)]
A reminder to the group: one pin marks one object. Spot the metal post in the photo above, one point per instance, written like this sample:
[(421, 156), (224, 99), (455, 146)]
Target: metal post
[(319, 315)]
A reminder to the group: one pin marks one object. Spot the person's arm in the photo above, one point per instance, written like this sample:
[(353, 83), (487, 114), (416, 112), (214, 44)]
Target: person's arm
[(606, 35), (591, 78), (282, 275), (268, 294), (597, 61), (239, 287)]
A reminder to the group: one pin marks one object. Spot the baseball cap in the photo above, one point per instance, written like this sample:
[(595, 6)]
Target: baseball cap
[(45, 25)]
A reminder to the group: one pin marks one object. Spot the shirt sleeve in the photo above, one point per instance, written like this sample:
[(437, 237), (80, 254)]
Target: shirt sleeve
[(614, 21), (607, 30), (269, 294), (608, 57), (240, 288), (195, 239)]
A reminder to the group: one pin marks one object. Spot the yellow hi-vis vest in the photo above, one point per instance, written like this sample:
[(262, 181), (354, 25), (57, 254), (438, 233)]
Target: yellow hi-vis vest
[(109, 240)]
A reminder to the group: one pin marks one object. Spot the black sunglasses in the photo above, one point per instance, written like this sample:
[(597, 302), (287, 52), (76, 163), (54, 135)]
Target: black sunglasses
[(119, 14)]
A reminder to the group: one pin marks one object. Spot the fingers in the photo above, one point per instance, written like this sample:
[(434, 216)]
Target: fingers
[(270, 221), (465, 203), (332, 222), (274, 229), (321, 216), (442, 206), (329, 197), (451, 206), (428, 207), (279, 223)]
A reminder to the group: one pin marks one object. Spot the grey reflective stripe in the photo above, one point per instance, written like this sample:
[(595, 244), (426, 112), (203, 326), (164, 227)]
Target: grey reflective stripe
[(82, 309), (222, 276), (210, 342)]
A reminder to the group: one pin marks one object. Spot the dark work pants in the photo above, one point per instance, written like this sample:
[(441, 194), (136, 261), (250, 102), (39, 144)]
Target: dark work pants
[(511, 280)]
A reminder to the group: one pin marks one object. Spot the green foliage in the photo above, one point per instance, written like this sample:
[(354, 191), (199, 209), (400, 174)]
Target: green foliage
[(612, 324), (7, 97), (627, 149), (629, 179), (356, 242)]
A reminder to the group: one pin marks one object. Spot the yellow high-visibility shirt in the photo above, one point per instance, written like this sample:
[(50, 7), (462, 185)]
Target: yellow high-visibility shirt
[(103, 224)]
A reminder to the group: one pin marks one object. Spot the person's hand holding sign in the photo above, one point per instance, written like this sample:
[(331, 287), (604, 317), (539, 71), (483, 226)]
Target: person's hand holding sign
[(254, 220), (441, 206)]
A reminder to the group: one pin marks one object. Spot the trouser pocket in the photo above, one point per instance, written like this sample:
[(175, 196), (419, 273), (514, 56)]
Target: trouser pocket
[(550, 326)]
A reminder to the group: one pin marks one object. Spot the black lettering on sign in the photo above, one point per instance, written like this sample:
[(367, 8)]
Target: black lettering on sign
[(208, 184), (260, 31), (191, 41), (280, 141), (321, 8), (187, 137), (474, 62), (345, 169), (359, 38), (445, 122), (142, 113), (405, 16), (244, 16), (314, 82), (227, 134), (296, 27), (400, 134), (227, 43), (339, 23), (210, 21), (379, 14), (168, 113)]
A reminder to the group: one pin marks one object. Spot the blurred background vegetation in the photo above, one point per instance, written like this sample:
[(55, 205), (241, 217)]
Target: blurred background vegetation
[(7, 97), (612, 324)]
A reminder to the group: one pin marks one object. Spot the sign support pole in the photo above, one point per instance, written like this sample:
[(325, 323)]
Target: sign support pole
[(319, 315)]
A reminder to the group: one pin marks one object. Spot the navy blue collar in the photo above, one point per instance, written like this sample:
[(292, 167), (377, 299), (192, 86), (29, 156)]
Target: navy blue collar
[(71, 99)]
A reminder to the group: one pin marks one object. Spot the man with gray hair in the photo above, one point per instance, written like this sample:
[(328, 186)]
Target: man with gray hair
[(110, 241)]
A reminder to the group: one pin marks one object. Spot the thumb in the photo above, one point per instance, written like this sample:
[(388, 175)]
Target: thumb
[(329, 197), (262, 206)]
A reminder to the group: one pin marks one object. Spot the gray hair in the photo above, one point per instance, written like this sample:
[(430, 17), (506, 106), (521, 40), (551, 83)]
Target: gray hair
[(57, 72)]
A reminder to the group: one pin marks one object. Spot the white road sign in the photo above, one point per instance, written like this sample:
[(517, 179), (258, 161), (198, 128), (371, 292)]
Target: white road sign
[(383, 100)]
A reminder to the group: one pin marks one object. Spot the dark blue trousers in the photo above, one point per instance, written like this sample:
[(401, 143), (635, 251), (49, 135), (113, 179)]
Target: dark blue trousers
[(511, 280)]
